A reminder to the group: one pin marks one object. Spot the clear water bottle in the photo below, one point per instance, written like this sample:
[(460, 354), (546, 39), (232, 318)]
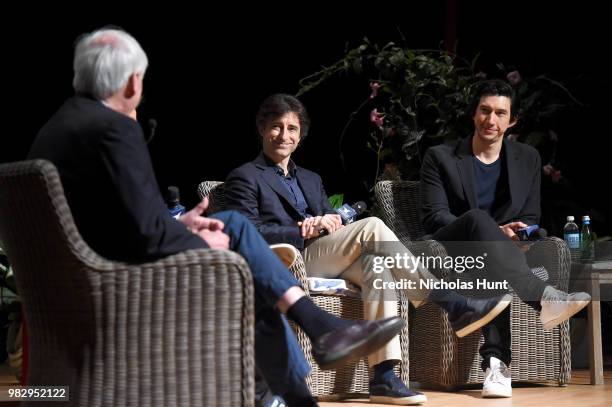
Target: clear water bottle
[(571, 235), (174, 206), (587, 240)]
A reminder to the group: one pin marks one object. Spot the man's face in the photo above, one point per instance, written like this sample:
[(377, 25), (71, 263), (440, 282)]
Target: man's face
[(281, 136), (492, 118)]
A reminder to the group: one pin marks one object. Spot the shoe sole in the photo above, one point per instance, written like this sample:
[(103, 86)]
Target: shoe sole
[(505, 301), (556, 321), (365, 347), (496, 395), (399, 401)]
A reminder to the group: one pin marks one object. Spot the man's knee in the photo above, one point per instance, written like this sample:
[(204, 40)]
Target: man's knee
[(231, 217), (478, 217)]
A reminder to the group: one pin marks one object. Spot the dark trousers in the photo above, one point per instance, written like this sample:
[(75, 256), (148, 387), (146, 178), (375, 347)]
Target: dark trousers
[(504, 261), (278, 356)]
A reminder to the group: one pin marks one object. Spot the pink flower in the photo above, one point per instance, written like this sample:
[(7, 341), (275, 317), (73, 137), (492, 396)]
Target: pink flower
[(514, 78), (374, 86), (377, 118), (550, 171)]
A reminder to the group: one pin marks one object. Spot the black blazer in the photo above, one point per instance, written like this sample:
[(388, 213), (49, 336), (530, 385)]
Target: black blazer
[(109, 182), (448, 187), (255, 190)]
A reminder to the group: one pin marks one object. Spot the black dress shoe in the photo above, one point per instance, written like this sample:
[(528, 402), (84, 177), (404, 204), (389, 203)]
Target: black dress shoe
[(354, 341), (476, 312)]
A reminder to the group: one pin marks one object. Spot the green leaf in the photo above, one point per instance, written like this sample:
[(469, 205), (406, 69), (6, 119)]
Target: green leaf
[(336, 200)]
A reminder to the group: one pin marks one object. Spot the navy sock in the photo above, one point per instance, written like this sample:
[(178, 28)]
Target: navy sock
[(448, 300), (313, 320)]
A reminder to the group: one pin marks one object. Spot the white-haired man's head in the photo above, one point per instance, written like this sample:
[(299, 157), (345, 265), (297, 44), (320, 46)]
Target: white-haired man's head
[(106, 61)]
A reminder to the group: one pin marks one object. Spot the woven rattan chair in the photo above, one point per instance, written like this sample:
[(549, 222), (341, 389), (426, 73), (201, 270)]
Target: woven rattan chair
[(174, 332), (437, 357), (351, 379)]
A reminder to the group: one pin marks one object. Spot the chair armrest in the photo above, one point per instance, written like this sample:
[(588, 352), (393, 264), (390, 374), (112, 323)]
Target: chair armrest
[(429, 248), (192, 312), (553, 254)]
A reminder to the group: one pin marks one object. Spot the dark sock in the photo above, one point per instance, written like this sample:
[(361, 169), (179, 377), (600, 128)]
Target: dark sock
[(313, 320), (383, 372), (448, 300), (299, 396)]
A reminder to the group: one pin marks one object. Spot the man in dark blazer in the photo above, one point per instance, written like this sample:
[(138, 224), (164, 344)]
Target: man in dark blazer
[(485, 189), (98, 147), (288, 204)]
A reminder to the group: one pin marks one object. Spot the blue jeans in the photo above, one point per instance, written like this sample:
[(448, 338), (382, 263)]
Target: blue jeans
[(277, 353)]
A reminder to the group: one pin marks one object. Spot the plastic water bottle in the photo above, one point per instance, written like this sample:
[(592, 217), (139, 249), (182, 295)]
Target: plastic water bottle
[(571, 235), (587, 240), (173, 202)]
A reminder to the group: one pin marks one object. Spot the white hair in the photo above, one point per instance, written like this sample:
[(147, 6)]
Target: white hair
[(104, 60)]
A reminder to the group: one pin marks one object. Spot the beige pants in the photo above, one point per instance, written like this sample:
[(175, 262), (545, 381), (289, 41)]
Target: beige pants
[(341, 255)]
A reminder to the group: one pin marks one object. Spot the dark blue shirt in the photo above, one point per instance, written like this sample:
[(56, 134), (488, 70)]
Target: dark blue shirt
[(295, 192), (486, 177)]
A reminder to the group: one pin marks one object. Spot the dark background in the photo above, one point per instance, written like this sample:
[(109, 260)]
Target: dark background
[(211, 67)]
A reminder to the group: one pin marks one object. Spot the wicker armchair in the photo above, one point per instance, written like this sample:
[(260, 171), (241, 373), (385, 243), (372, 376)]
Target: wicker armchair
[(164, 333), (437, 357), (339, 383)]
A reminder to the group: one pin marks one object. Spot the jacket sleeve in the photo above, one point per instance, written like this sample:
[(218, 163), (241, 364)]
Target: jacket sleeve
[(241, 195), (126, 159), (435, 210), (324, 201), (530, 212)]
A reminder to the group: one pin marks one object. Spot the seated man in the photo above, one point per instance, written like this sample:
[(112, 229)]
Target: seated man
[(484, 189), (288, 204), (99, 150)]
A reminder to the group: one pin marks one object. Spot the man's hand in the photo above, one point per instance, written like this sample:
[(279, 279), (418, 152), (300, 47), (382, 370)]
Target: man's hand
[(310, 227), (195, 222), (511, 228), (216, 239)]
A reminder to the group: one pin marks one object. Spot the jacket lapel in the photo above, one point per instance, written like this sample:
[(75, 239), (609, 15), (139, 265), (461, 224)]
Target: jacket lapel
[(311, 192), (465, 168), (270, 178)]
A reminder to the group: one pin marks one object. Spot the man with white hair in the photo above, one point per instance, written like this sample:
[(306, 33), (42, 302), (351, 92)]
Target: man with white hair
[(99, 150)]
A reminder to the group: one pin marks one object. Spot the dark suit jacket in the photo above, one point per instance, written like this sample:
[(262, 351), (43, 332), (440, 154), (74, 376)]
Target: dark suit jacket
[(109, 182), (448, 188), (255, 190)]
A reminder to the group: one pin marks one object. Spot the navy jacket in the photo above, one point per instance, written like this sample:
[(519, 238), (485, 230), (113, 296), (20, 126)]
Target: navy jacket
[(448, 188), (109, 183), (255, 190)]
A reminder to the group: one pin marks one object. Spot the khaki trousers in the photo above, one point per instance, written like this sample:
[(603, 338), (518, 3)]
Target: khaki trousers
[(341, 254)]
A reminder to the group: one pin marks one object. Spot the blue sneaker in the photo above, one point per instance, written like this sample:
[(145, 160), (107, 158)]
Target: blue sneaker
[(394, 391)]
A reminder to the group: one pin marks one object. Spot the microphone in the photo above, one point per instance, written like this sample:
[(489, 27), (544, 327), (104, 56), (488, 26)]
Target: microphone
[(152, 127), (532, 233), (348, 214)]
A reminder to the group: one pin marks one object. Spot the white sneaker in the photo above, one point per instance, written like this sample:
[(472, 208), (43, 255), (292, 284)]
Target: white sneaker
[(497, 382), (557, 306)]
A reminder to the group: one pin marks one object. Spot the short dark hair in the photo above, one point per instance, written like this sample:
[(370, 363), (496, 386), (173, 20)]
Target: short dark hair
[(277, 105), (494, 87)]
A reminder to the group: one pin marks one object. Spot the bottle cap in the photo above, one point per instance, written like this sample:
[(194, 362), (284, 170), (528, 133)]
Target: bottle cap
[(586, 218), (570, 218)]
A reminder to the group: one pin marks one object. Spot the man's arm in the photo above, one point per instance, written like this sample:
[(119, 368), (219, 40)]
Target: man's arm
[(126, 159), (530, 212), (434, 202), (241, 195)]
